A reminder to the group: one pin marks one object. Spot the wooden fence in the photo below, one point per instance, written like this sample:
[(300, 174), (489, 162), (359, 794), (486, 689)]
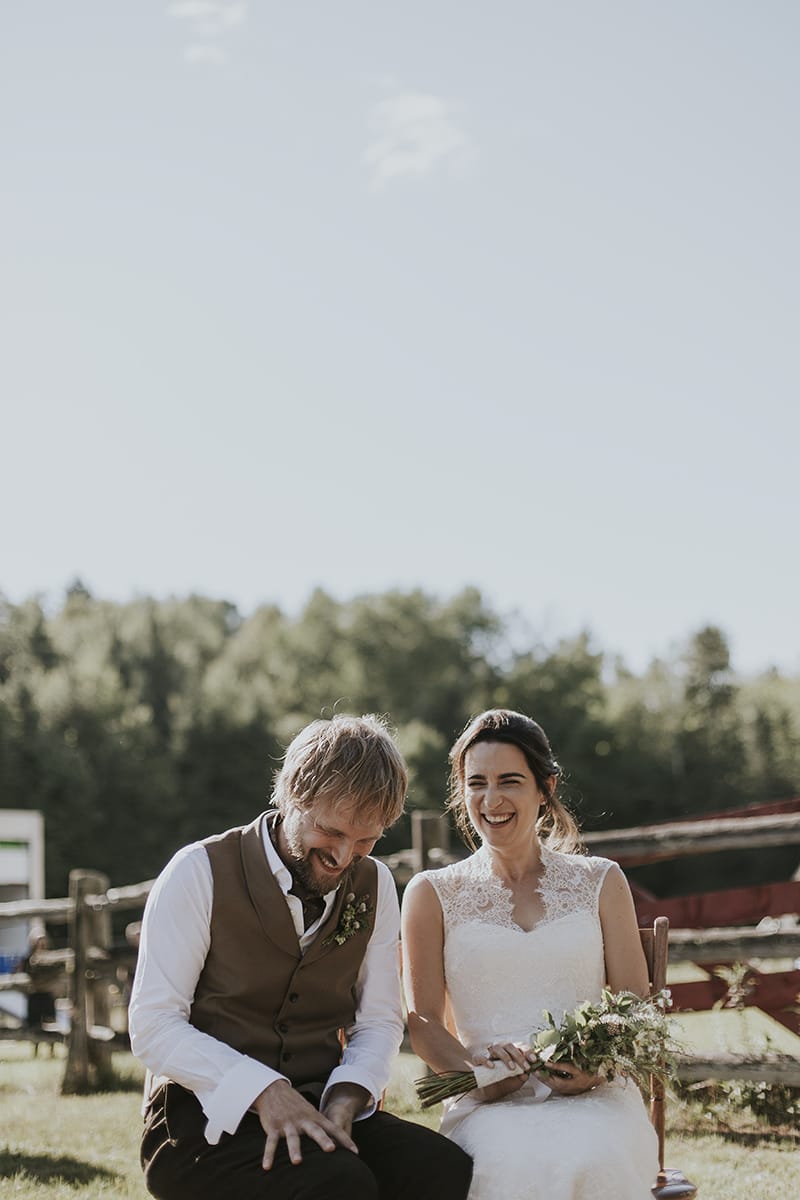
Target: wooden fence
[(89, 967), (90, 973)]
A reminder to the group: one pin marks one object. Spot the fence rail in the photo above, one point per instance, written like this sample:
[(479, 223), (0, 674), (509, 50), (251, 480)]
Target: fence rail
[(732, 945), (677, 839), (769, 1069), (121, 899), (56, 911)]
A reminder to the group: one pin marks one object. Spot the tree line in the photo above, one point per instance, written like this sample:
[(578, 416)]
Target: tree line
[(137, 727)]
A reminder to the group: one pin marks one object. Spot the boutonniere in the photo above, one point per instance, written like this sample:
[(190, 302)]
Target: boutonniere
[(353, 918)]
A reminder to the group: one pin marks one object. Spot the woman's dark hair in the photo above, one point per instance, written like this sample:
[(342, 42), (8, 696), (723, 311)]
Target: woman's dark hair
[(555, 825)]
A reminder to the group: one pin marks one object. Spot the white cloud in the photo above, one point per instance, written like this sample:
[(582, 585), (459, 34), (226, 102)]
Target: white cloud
[(414, 132), (207, 23)]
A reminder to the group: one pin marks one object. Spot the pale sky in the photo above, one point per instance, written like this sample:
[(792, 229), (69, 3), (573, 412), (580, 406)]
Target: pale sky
[(365, 295)]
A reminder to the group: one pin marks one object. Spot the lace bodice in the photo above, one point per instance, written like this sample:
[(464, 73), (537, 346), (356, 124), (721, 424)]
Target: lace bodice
[(501, 977)]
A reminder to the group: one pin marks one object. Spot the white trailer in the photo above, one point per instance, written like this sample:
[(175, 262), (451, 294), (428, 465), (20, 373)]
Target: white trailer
[(21, 878)]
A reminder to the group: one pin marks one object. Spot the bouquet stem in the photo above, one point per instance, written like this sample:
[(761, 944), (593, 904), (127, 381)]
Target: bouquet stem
[(435, 1088)]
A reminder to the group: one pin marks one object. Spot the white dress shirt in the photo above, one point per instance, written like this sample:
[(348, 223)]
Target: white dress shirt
[(174, 943)]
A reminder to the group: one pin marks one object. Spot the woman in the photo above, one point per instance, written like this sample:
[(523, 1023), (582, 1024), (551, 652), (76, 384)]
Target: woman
[(526, 923)]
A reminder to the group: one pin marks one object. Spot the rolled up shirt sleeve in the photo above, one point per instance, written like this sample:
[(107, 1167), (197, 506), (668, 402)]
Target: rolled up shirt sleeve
[(374, 1037), (173, 948)]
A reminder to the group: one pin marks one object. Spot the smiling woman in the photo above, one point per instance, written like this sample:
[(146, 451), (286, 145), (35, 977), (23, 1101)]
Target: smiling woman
[(527, 925), (521, 745)]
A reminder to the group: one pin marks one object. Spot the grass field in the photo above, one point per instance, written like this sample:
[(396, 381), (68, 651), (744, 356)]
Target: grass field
[(85, 1148)]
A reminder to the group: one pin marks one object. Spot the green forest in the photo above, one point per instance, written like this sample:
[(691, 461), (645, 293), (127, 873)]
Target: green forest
[(136, 727)]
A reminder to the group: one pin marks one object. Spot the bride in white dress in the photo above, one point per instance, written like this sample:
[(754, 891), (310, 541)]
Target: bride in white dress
[(526, 923)]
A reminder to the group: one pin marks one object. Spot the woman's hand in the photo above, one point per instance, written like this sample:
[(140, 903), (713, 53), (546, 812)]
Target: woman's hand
[(510, 1055), (567, 1080)]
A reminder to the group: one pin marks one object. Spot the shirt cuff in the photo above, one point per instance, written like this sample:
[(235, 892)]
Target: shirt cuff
[(353, 1075), (233, 1096)]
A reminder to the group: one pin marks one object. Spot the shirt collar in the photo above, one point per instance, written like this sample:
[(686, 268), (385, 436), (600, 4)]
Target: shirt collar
[(277, 866)]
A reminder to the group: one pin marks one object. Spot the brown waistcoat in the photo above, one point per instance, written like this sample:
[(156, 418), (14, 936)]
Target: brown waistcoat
[(256, 991)]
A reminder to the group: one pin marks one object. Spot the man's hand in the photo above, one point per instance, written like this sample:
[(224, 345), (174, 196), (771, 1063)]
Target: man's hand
[(284, 1113), (343, 1103)]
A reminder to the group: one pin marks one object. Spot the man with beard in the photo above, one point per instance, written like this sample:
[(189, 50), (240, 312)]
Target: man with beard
[(263, 950)]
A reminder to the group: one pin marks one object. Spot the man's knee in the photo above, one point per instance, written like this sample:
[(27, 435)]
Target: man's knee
[(448, 1171), (452, 1171), (412, 1162), (340, 1175)]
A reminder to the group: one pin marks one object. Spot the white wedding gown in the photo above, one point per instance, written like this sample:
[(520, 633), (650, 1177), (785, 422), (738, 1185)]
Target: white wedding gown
[(536, 1145)]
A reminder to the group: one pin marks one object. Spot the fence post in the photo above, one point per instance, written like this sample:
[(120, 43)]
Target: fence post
[(98, 992), (88, 1061), (429, 831)]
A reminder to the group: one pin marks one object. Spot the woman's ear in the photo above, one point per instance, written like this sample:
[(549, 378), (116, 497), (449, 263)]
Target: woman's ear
[(547, 793)]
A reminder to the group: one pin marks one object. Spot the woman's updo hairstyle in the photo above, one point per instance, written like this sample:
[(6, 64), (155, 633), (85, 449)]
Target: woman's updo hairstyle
[(555, 825)]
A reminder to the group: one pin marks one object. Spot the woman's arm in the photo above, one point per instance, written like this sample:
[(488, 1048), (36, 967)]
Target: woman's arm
[(426, 995), (423, 979), (626, 966)]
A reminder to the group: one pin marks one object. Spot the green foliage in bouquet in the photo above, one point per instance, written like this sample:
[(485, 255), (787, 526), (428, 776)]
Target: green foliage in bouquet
[(621, 1034)]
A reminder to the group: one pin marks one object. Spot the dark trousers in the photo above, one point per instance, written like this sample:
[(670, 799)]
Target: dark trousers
[(397, 1160)]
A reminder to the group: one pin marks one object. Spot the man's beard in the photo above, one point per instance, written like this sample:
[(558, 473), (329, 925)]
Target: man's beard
[(302, 865)]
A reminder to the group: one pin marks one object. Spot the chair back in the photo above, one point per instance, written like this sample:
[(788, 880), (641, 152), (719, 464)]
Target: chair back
[(671, 1184), (655, 941)]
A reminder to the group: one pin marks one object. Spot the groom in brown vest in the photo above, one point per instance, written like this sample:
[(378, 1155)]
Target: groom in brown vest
[(263, 950)]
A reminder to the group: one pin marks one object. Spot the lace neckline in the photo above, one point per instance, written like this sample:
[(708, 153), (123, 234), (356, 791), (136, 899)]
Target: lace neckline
[(504, 897), (471, 889)]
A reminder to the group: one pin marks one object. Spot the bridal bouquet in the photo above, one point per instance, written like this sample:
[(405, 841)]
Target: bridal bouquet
[(621, 1034)]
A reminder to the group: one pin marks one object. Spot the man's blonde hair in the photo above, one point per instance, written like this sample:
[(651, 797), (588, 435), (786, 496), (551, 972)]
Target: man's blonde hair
[(348, 760)]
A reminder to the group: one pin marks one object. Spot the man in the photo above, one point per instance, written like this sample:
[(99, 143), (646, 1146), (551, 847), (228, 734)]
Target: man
[(257, 948)]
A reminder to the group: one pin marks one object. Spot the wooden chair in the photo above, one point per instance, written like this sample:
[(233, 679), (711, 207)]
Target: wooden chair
[(670, 1184)]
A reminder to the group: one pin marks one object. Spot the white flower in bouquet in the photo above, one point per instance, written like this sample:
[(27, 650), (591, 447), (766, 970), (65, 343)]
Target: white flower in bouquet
[(622, 1034)]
